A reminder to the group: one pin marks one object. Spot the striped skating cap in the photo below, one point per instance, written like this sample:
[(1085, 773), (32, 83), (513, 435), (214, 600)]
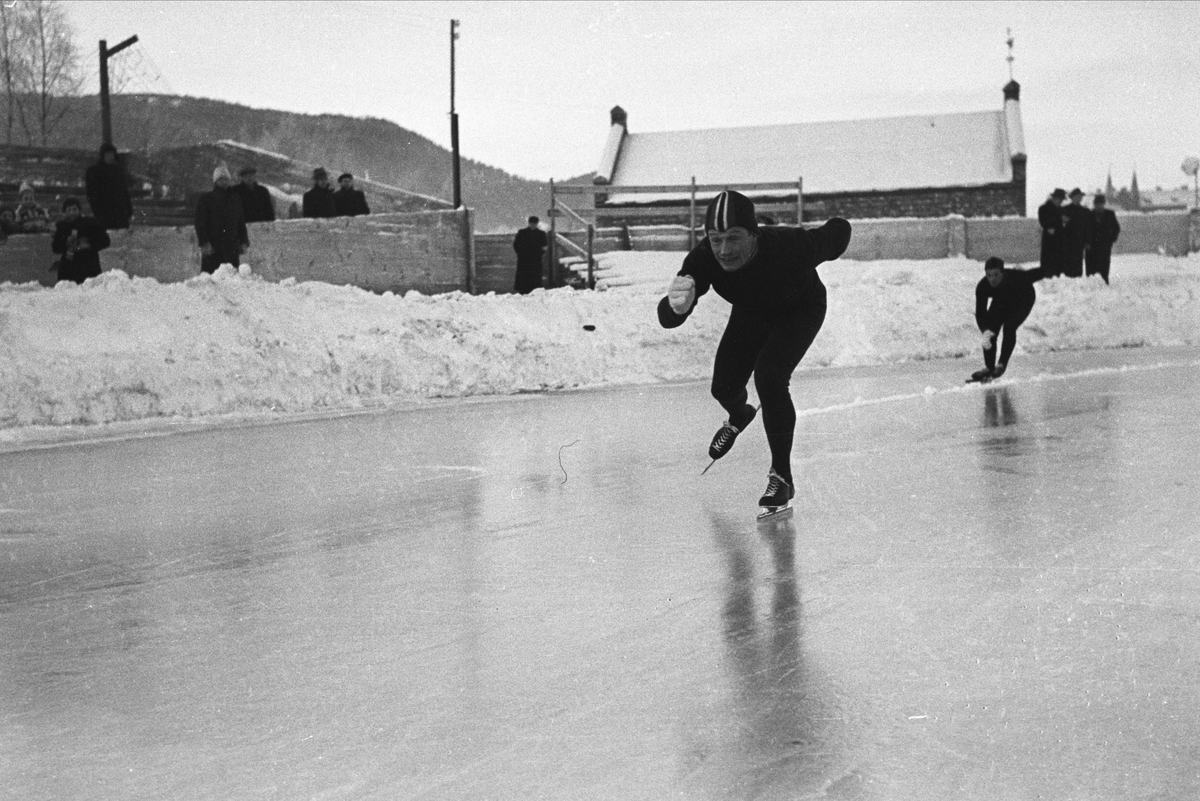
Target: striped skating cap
[(730, 209)]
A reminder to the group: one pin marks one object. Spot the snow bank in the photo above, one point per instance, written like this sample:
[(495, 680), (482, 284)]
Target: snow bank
[(121, 348)]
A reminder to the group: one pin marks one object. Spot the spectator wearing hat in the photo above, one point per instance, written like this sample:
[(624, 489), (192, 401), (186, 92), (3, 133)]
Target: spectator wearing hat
[(318, 201), (32, 217), (78, 240), (8, 221), (108, 190), (1105, 230), (221, 224), (257, 205), (348, 201), (1050, 217), (1077, 228)]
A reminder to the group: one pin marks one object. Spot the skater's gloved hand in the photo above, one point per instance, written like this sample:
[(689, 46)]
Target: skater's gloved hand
[(682, 294), (988, 336)]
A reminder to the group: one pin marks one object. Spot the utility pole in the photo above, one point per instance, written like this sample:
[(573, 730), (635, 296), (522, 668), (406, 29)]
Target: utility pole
[(105, 103), (454, 118)]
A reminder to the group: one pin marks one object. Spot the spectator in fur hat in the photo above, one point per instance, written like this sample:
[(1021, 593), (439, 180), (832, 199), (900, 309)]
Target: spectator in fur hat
[(348, 201), (221, 224), (1050, 217), (32, 217), (318, 201)]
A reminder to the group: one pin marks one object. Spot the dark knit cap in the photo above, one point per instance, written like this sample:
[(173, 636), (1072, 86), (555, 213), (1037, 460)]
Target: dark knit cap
[(994, 263), (71, 201), (345, 175), (1099, 199), (320, 172), (1076, 191), (730, 209)]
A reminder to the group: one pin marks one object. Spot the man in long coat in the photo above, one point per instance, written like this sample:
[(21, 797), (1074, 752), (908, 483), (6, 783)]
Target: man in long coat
[(221, 224), (257, 205), (1105, 230), (529, 243), (1051, 219), (1077, 225), (108, 190)]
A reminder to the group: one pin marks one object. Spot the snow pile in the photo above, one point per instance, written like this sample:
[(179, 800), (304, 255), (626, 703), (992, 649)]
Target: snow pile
[(121, 348)]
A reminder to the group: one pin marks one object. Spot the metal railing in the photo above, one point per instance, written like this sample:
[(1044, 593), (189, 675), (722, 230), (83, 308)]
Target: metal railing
[(559, 209)]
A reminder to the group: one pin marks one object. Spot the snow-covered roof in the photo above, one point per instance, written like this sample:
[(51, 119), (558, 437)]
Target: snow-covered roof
[(933, 150)]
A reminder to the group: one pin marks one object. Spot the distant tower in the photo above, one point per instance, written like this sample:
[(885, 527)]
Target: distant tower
[(1135, 197), (1108, 187), (1014, 127)]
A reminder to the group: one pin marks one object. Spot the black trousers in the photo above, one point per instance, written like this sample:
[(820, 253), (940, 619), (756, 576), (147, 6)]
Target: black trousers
[(209, 264), (1098, 259), (769, 346), (1005, 322)]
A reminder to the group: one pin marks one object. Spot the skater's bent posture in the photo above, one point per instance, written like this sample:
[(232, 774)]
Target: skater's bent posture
[(769, 275), (1012, 297)]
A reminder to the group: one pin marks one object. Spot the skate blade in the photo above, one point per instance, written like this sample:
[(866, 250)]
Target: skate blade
[(772, 512)]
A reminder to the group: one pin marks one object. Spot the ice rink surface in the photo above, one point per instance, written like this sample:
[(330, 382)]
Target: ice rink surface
[(983, 593)]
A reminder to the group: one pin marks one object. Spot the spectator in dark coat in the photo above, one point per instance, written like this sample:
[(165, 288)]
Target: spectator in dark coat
[(221, 224), (1051, 219), (8, 221), (256, 200), (1105, 230), (108, 190), (348, 201), (1077, 227), (530, 244), (78, 240), (318, 201)]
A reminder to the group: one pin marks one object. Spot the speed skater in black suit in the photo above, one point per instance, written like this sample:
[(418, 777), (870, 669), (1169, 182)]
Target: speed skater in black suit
[(769, 275), (1011, 295)]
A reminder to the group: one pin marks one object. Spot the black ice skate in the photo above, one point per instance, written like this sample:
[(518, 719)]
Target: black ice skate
[(980, 376), (777, 499), (998, 370), (727, 435)]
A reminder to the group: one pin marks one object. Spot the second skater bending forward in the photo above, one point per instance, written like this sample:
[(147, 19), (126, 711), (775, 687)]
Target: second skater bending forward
[(1011, 295), (769, 275)]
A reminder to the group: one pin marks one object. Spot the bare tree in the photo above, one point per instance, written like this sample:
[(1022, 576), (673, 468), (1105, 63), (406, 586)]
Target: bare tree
[(52, 70), (13, 61)]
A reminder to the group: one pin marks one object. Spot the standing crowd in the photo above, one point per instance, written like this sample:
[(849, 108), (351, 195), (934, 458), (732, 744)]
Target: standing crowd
[(1075, 238), (221, 216)]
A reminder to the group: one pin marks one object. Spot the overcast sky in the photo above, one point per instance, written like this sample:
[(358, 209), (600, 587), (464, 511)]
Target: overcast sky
[(1103, 85)]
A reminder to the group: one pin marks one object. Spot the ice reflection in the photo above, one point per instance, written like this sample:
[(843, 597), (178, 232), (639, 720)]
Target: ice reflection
[(787, 722)]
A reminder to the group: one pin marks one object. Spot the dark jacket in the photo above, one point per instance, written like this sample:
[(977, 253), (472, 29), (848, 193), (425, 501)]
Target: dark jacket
[(257, 205), (319, 202), (1105, 229), (780, 277), (1051, 219), (350, 202), (108, 192), (1015, 296), (1077, 230), (220, 222), (79, 242)]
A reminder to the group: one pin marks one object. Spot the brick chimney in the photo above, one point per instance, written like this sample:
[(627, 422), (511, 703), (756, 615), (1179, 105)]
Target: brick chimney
[(612, 147)]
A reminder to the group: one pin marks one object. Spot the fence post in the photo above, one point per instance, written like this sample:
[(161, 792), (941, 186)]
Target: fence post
[(800, 200), (692, 218), (552, 251), (591, 261)]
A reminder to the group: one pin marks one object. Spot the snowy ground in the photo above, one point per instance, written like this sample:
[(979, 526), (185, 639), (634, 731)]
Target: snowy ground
[(235, 346)]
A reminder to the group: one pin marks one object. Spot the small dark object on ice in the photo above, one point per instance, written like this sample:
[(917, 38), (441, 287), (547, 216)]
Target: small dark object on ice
[(589, 327)]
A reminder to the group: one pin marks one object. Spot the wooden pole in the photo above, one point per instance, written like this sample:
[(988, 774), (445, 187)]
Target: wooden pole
[(106, 135), (800, 200), (552, 251), (692, 217), (454, 120), (591, 261)]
